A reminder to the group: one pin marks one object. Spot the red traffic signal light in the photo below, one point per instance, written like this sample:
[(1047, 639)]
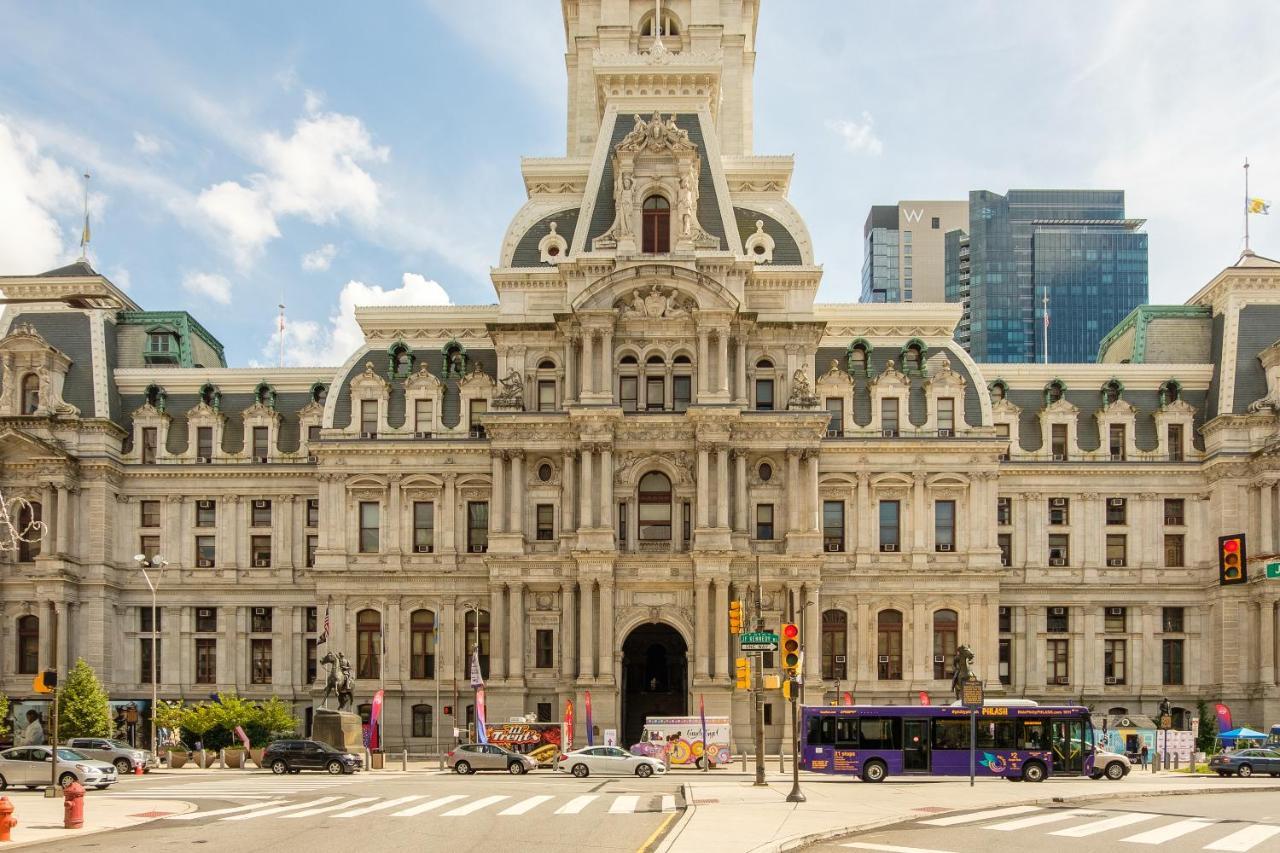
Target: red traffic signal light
[(790, 630), (790, 649), (1232, 560)]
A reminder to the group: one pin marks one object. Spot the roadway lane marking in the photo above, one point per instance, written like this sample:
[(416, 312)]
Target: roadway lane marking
[(1177, 829), (977, 816), (377, 807), (232, 810), (279, 809), (348, 804), (525, 805), (1106, 825), (577, 804), (893, 848), (483, 802), (1037, 820), (422, 808), (1245, 839), (624, 805), (668, 803)]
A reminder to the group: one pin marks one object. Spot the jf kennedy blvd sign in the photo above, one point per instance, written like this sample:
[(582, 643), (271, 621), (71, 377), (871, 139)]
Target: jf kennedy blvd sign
[(758, 641)]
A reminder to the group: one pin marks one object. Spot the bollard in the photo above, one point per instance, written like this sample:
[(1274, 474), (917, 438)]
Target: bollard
[(744, 762), (222, 759), (7, 820), (1155, 762), (1177, 761), (73, 806), (781, 757), (404, 760), (368, 759), (441, 757)]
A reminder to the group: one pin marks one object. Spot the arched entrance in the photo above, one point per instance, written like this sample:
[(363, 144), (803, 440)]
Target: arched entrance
[(654, 678)]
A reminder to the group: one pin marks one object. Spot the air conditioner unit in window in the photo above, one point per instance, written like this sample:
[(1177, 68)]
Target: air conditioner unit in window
[(262, 564), (1057, 561), (1062, 679), (1003, 457), (887, 547), (1173, 519), (204, 613), (889, 433), (261, 504), (205, 504), (313, 459), (1058, 502), (477, 549), (841, 659), (946, 433), (259, 611), (833, 546), (833, 433), (938, 658), (1115, 562), (944, 547), (204, 564), (1003, 611), (422, 435), (477, 433), (1058, 611), (368, 435), (1110, 679), (883, 659), (1115, 502), (1059, 457), (1116, 611), (422, 549), (203, 460)]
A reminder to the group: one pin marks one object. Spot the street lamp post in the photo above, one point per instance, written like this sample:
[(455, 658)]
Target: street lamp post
[(144, 563)]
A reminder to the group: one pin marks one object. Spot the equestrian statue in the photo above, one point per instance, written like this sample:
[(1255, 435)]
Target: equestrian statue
[(963, 670), (339, 680)]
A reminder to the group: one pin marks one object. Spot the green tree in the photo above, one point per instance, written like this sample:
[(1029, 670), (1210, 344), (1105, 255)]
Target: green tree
[(82, 705), (4, 715), (198, 719), (233, 711), (170, 715), (275, 718), (1208, 727)]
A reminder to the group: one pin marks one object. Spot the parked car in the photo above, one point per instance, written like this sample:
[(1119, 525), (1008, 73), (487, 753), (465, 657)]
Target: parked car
[(1246, 762), (294, 756), (609, 760), (1110, 765), (471, 757), (29, 765), (117, 752)]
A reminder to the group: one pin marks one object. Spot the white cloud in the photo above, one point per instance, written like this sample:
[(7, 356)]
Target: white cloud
[(34, 190), (308, 343), (147, 145), (858, 137), (210, 285), (243, 215), (320, 259), (119, 276), (312, 101)]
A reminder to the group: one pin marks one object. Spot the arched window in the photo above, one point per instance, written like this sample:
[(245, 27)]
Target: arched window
[(1111, 392), (422, 644), (368, 644), (156, 397), (628, 371), (764, 385), (681, 383), (669, 25), (472, 637), (210, 396), (28, 645), (946, 626), (1054, 391), (401, 361), (1170, 392), (858, 358), (1118, 712), (998, 391), (912, 358), (834, 640), (265, 395), (656, 237), (318, 393), (655, 507), (889, 645), (422, 721), (655, 383), (30, 394), (366, 713), (546, 364), (28, 516)]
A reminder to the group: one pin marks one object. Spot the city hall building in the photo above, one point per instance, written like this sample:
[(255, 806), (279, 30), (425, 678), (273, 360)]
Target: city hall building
[(653, 414)]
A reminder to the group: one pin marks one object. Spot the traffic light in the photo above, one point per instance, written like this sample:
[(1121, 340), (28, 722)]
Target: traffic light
[(791, 649), (45, 682), (786, 689), (744, 674), (735, 617), (1232, 562)]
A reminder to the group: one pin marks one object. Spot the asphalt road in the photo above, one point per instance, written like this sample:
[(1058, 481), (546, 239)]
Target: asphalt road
[(390, 811), (1232, 822)]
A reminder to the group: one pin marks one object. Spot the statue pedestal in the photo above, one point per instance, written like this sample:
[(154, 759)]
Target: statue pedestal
[(340, 729)]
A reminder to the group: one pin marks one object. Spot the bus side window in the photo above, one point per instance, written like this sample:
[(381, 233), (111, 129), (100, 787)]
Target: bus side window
[(952, 734), (845, 732), (1035, 734), (1006, 734), (822, 731), (881, 733)]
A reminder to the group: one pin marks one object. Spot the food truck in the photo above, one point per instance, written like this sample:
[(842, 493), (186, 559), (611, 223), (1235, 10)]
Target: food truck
[(679, 740)]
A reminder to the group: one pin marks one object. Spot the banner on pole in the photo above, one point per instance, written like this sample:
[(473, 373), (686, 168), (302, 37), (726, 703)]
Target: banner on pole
[(375, 722), (568, 725), (481, 735), (591, 738)]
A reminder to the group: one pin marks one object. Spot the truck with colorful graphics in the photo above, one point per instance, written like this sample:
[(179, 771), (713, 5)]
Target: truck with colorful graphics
[(678, 740)]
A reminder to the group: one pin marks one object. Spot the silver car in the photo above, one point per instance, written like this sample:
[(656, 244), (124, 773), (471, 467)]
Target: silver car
[(608, 761), (29, 765), (117, 752), (471, 757)]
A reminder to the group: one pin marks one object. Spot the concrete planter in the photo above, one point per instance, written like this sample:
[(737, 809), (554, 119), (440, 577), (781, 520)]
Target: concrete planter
[(177, 758), (377, 761), (233, 758), (204, 758), (257, 753)]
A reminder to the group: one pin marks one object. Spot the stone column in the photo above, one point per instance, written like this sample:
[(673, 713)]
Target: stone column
[(1267, 642), (607, 508), (515, 632), (587, 633), (498, 493), (394, 521), (283, 549), (448, 512), (585, 517), (702, 628), (606, 364), (606, 630), (498, 630), (722, 486), (704, 492), (866, 513), (517, 491), (704, 374), (568, 521), (740, 491), (48, 538), (1148, 654), (741, 366), (720, 661), (722, 338), (813, 507), (393, 629), (568, 630), (813, 637), (1033, 655), (793, 491), (63, 544), (587, 379), (1268, 544), (919, 513), (570, 372)]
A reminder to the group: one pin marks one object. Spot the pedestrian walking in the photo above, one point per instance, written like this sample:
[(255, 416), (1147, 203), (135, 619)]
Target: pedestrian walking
[(1143, 755)]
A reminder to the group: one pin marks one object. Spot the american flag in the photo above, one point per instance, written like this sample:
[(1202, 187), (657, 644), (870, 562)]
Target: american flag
[(324, 633)]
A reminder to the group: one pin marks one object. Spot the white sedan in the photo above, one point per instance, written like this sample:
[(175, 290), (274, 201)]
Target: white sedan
[(608, 761), (32, 766)]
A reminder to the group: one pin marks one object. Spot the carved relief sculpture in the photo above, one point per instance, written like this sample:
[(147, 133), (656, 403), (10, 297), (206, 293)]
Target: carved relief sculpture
[(511, 393), (802, 396)]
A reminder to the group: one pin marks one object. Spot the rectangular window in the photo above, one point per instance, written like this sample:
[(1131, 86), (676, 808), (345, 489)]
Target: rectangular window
[(313, 512), (1004, 511), (1175, 512), (150, 441), (627, 393), (260, 443), (1117, 511), (546, 522), (1113, 661), (1005, 541), (313, 434), (369, 526), (312, 661), (1059, 549), (889, 529), (144, 618), (1116, 620), (764, 395), (206, 661), (149, 546), (206, 620), (261, 515), (260, 661), (1171, 669), (687, 521), (204, 442), (206, 513), (1116, 442), (768, 713), (833, 525), (369, 418), (655, 390), (682, 392), (1059, 511), (946, 414), (935, 222), (1174, 551), (1006, 661), (310, 619), (424, 527), (150, 513), (1058, 438), (1173, 620), (313, 542), (889, 416), (544, 648), (546, 395), (1002, 431), (477, 526), (622, 524), (944, 525), (1057, 662), (764, 521), (260, 620), (144, 663), (1004, 620), (260, 547), (835, 417), (206, 551), (1058, 620), (479, 408), (1117, 549), (423, 415), (1176, 452)]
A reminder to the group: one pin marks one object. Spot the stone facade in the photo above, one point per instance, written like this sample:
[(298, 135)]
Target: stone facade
[(653, 414)]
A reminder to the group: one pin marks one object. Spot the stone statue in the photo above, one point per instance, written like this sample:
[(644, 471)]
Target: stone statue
[(636, 138), (963, 670), (624, 202), (338, 680), (673, 308), (684, 207), (802, 396), (675, 136), (511, 396), (1166, 710)]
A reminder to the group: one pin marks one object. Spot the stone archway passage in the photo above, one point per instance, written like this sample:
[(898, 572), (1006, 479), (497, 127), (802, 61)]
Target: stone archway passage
[(655, 683)]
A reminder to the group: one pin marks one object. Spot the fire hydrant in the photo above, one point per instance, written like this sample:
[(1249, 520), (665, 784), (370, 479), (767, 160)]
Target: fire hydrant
[(73, 806), (7, 820)]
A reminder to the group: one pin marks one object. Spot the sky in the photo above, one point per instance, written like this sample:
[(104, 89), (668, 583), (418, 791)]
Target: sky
[(329, 155)]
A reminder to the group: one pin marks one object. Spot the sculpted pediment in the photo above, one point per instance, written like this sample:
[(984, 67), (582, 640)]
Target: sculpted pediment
[(640, 288), (1003, 406), (1061, 407)]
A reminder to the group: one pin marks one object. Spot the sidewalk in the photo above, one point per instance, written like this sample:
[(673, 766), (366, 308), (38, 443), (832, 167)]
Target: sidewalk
[(40, 819), (726, 812)]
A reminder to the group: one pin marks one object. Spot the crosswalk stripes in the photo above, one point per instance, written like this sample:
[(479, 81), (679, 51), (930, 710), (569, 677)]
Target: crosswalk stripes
[(1105, 825), (668, 803), (1245, 839), (279, 809), (974, 817), (377, 807), (577, 804), (422, 808), (525, 806), (1161, 834), (336, 807), (231, 810), (470, 808), (624, 805), (1040, 819)]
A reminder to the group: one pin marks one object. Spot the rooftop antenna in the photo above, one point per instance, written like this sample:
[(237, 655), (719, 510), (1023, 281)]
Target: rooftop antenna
[(1045, 303), (281, 330), (84, 235), (1246, 206)]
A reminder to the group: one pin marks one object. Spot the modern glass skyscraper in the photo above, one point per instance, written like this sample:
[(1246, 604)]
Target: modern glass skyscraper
[(1074, 247), (903, 249), (880, 255)]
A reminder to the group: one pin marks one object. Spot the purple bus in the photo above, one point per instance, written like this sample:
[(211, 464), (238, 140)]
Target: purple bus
[(1016, 740)]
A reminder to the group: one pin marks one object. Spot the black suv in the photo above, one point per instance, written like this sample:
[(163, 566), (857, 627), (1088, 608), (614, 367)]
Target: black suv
[(294, 756)]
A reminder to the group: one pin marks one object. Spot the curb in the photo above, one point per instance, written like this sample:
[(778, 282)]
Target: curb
[(797, 842), (95, 830), (673, 834)]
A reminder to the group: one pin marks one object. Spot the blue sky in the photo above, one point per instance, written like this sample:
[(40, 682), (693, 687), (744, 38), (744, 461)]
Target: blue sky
[(242, 152)]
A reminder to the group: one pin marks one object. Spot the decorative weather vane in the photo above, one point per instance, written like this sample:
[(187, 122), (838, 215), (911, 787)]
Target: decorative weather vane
[(10, 536)]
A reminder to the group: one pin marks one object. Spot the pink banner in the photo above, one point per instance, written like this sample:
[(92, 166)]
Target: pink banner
[(568, 725), (1224, 717), (244, 738), (482, 736), (375, 719), (591, 739), (924, 697), (847, 698)]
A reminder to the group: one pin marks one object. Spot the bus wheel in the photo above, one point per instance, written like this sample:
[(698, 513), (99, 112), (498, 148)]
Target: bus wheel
[(1033, 772), (874, 771)]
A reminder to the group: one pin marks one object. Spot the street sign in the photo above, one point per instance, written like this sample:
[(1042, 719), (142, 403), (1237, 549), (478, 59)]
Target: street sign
[(971, 693), (1273, 570), (758, 641)]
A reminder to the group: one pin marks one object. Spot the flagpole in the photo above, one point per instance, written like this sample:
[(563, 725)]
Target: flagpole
[(84, 235), (1246, 205), (1046, 324)]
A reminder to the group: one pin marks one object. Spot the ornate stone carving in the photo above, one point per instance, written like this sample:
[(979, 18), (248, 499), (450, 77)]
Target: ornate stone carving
[(510, 396), (658, 303), (655, 135), (802, 396), (759, 246)]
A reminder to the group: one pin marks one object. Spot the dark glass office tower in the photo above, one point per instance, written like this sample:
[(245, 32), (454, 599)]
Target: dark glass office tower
[(880, 281), (1075, 246)]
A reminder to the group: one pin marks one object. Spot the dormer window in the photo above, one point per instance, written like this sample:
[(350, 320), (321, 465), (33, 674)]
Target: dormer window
[(400, 361), (162, 346), (913, 357), (858, 358), (1170, 392), (318, 394), (998, 391), (156, 397), (264, 395), (210, 396), (656, 238), (30, 394), (1111, 392), (1053, 392)]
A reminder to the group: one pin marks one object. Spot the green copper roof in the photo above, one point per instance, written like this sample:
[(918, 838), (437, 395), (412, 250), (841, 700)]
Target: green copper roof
[(1140, 318), (184, 324)]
